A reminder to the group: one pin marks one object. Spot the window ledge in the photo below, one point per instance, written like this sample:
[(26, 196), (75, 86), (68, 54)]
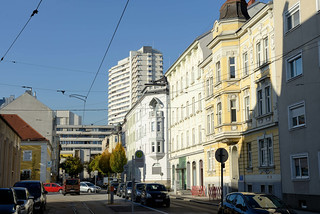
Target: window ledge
[(264, 115), (267, 167), (301, 179), (297, 127), (292, 29)]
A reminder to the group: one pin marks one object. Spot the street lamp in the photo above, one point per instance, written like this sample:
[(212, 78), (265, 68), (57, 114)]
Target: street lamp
[(83, 98)]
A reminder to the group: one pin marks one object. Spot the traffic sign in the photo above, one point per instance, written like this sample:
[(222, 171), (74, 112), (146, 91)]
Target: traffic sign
[(221, 155), (139, 158)]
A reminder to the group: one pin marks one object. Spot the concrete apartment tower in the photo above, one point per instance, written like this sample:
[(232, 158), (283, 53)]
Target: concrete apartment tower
[(127, 79)]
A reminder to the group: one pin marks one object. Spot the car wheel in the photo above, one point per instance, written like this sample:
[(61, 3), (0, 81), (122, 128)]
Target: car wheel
[(168, 204), (89, 190), (60, 191)]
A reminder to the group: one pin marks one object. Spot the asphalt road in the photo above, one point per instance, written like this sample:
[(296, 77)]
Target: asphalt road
[(91, 203)]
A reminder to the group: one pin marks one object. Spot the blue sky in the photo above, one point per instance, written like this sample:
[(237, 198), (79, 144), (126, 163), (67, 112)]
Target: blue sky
[(63, 45)]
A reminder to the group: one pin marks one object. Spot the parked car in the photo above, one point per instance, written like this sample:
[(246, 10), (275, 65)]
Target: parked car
[(120, 189), (89, 187), (154, 194), (253, 203), (138, 187), (25, 199), (53, 187), (71, 186), (9, 202), (128, 189), (37, 190)]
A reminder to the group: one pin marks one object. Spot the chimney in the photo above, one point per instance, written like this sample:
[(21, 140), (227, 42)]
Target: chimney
[(251, 2)]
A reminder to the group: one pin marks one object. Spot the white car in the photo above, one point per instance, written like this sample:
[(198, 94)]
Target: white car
[(88, 187)]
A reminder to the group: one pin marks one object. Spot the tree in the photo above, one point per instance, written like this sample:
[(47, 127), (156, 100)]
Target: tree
[(94, 164), (72, 166), (118, 158), (104, 162)]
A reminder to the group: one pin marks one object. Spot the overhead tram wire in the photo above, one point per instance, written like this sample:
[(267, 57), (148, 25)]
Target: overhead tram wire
[(14, 41), (107, 50)]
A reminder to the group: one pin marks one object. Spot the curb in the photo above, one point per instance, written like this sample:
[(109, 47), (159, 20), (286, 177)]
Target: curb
[(194, 200)]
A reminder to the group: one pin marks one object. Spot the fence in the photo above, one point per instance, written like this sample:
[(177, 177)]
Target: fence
[(214, 193), (198, 190)]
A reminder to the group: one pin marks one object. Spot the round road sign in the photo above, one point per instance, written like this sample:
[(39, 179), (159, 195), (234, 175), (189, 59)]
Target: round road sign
[(221, 155)]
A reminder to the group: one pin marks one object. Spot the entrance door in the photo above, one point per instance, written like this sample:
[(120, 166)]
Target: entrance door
[(201, 172), (234, 169), (188, 175)]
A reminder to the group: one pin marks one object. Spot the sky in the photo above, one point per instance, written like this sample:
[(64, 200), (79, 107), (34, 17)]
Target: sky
[(62, 47)]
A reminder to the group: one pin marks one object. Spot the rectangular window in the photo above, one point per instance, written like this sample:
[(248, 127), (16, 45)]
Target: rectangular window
[(26, 174), (249, 188), (266, 49), (249, 155), (193, 105), (208, 87), (260, 101), (158, 126), (212, 122), (182, 145), (199, 73), (266, 152), (192, 75), (245, 64), (152, 147), (208, 124), (181, 86), (211, 86), (199, 102), (187, 138), (172, 119), (267, 99), (292, 17), (172, 92), (297, 115), (300, 166), (232, 67), (200, 134), (218, 72), (177, 145), (209, 160), (263, 189), (233, 110), (182, 110), (193, 136), (270, 189), (213, 159), (187, 109), (177, 84), (294, 66), (27, 155), (187, 79), (219, 109), (247, 107), (258, 54), (158, 146)]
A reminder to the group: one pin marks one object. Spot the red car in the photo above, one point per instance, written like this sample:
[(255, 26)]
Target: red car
[(52, 187)]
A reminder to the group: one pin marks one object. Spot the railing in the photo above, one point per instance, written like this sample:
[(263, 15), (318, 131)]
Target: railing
[(214, 193), (198, 190)]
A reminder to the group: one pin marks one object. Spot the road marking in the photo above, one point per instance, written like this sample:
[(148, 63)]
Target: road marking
[(84, 204)]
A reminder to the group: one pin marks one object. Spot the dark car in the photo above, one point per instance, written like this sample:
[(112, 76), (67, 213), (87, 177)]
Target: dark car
[(120, 189), (128, 190), (9, 202), (138, 187), (37, 190), (255, 203), (25, 199), (155, 194), (71, 186)]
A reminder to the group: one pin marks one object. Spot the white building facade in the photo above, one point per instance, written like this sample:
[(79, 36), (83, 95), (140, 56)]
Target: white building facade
[(146, 129), (187, 115), (127, 79)]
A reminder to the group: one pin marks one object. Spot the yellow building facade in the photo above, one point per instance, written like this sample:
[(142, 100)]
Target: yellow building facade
[(241, 102)]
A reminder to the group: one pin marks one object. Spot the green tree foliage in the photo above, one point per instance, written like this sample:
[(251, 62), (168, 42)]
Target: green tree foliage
[(72, 166), (104, 162), (118, 159), (94, 164)]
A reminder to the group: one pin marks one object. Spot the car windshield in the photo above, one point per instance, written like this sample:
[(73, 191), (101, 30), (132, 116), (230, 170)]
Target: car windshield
[(72, 182), (21, 194), (264, 201), (156, 187), (90, 184), (139, 186), (34, 188), (6, 197)]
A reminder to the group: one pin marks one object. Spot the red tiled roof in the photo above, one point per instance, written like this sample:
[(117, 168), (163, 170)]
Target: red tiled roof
[(23, 129)]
